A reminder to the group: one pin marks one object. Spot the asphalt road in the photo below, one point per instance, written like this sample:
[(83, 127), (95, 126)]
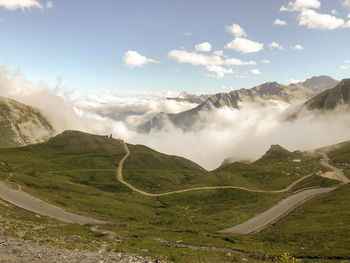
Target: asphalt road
[(29, 203), (270, 216)]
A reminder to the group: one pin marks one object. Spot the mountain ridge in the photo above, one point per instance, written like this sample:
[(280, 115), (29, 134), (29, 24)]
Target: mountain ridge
[(302, 91)]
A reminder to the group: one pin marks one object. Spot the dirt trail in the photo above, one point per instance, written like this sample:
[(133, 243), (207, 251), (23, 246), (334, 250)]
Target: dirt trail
[(121, 179)]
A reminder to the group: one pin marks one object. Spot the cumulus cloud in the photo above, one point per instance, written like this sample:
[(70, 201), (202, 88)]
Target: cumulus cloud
[(219, 53), (254, 72), (314, 20), (292, 81), (280, 22), (298, 47), (183, 56), (20, 4), (238, 62), (218, 70), (299, 5), (275, 45), (203, 47), (245, 45), (236, 30), (265, 61), (345, 67), (134, 59)]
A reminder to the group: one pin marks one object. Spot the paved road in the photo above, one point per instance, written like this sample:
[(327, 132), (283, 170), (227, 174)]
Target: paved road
[(268, 217), (37, 206), (338, 173), (121, 179)]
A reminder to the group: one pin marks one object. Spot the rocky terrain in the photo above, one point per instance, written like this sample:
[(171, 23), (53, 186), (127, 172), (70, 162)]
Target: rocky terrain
[(21, 124), (330, 99), (302, 91), (25, 251), (190, 98)]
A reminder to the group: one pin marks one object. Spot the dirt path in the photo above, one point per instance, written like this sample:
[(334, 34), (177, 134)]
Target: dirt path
[(121, 179), (27, 202)]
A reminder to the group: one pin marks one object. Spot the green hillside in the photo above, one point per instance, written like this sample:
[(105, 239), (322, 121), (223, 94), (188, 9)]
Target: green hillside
[(77, 171)]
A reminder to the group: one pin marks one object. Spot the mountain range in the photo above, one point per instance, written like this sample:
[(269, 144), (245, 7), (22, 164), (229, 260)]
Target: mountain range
[(21, 124), (302, 91)]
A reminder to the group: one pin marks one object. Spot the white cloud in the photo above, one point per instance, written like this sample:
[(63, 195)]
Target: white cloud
[(245, 45), (265, 61), (49, 4), (218, 70), (299, 5), (346, 3), (20, 4), (218, 53), (345, 67), (187, 33), (238, 62), (280, 22), (291, 81), (254, 72), (230, 88), (347, 61), (183, 56), (349, 16), (134, 59), (236, 30), (334, 12), (274, 45), (314, 20), (204, 47), (298, 47)]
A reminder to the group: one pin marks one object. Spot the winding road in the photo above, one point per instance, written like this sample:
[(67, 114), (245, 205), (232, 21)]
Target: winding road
[(262, 220), (121, 179), (27, 202)]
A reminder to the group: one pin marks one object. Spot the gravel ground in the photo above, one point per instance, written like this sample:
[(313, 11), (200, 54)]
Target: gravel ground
[(14, 250)]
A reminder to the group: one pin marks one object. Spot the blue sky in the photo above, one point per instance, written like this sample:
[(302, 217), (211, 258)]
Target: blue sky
[(86, 42)]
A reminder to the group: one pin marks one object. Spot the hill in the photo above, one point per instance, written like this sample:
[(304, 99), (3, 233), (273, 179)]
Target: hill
[(331, 98), (77, 171), (268, 91), (21, 124)]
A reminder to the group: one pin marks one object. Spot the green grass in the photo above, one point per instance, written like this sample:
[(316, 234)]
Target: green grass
[(76, 171)]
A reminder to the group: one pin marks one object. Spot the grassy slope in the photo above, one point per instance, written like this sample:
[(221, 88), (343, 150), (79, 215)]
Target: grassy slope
[(319, 227), (61, 172), (273, 171)]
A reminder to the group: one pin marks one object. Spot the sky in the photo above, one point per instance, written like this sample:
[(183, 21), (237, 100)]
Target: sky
[(198, 46)]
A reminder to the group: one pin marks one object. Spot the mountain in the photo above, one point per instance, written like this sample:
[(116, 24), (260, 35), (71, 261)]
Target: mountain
[(302, 91), (190, 98), (21, 124), (330, 99)]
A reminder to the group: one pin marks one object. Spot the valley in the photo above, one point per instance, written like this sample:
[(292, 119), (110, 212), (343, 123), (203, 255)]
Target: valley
[(194, 216)]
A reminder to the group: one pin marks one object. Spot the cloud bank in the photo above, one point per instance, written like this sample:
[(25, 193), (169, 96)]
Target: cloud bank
[(243, 134)]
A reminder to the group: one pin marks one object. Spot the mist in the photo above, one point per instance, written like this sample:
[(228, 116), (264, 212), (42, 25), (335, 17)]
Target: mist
[(243, 134)]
